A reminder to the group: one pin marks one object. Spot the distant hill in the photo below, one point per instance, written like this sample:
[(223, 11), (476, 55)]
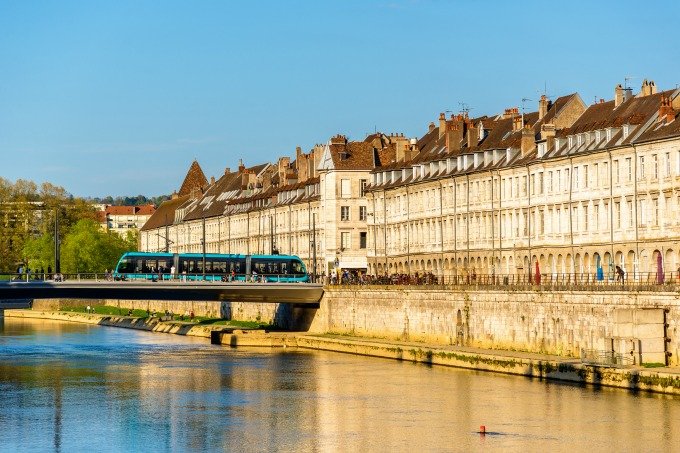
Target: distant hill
[(137, 200)]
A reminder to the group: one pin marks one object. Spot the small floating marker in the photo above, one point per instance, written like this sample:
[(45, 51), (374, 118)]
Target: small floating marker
[(482, 430)]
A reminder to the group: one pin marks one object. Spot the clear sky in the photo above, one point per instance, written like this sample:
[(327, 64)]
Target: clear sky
[(118, 97)]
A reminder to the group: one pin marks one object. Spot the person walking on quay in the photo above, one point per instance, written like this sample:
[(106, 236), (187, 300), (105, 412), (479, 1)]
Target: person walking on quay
[(172, 272), (620, 274)]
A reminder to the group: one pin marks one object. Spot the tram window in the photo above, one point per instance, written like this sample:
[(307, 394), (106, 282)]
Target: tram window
[(297, 267), (126, 266), (284, 268), (219, 267)]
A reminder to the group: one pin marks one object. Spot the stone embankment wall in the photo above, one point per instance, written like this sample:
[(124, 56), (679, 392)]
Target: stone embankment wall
[(560, 323)]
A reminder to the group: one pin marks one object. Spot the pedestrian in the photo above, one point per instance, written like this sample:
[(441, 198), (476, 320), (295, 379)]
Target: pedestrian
[(191, 316), (172, 272), (88, 309), (620, 274)]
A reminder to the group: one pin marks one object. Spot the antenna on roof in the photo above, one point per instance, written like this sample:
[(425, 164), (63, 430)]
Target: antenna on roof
[(626, 79), (523, 101), (465, 107)]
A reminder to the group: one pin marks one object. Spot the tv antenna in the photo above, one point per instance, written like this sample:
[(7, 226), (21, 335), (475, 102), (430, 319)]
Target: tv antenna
[(465, 108), (626, 79), (524, 100)]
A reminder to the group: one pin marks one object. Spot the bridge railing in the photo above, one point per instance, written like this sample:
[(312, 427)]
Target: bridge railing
[(108, 276), (640, 281)]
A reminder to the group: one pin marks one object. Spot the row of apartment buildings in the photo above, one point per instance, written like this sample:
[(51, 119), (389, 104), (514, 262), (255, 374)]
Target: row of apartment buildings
[(570, 188)]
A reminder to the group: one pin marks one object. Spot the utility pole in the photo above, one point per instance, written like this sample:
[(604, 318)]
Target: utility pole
[(314, 244), (203, 242), (57, 261)]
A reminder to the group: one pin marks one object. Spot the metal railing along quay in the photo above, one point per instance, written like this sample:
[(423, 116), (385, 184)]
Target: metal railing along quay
[(641, 281)]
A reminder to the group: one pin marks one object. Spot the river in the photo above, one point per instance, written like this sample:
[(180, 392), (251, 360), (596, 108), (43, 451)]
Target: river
[(74, 387)]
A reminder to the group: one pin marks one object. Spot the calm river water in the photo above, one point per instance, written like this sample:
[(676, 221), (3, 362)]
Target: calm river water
[(72, 387)]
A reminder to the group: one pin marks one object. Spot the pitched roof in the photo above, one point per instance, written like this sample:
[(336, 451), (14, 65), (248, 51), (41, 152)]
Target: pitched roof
[(165, 214), (195, 179)]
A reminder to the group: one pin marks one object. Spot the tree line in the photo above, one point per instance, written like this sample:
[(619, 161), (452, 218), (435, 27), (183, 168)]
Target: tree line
[(28, 214), (137, 200)]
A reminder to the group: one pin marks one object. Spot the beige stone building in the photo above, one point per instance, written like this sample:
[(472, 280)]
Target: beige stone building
[(121, 219), (573, 189), (313, 207)]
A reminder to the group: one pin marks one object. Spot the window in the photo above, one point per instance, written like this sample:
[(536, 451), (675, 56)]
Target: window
[(362, 213), (344, 240), (576, 185), (558, 179), (586, 223), (362, 187), (345, 188), (585, 176), (550, 181), (344, 213), (362, 240), (668, 165), (617, 178), (629, 168), (617, 215), (655, 166), (631, 214), (641, 168)]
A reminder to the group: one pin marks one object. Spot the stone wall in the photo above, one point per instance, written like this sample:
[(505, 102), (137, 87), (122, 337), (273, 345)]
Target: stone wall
[(560, 323), (547, 322)]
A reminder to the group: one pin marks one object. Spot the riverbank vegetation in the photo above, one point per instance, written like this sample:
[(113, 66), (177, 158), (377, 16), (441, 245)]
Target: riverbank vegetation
[(137, 313), (29, 216)]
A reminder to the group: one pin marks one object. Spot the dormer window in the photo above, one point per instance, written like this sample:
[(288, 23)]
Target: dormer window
[(609, 134), (571, 141), (598, 136), (626, 130)]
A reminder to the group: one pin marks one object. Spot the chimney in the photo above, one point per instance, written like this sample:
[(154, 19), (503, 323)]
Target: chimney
[(431, 127), (528, 142), (454, 135), (666, 112), (509, 113), (517, 121), (543, 105), (648, 88), (472, 134), (212, 180), (442, 124), (174, 196), (618, 95), (227, 171), (283, 164), (241, 167), (548, 134)]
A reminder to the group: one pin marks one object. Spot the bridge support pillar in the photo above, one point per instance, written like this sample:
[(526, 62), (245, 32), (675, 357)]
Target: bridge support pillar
[(2, 312)]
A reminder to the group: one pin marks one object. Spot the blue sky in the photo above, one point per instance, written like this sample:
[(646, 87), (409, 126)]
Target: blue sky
[(118, 97)]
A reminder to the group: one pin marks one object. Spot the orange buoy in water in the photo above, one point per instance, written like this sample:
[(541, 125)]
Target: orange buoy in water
[(482, 429)]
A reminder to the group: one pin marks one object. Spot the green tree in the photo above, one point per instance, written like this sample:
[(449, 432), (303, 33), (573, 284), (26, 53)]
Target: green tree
[(86, 248)]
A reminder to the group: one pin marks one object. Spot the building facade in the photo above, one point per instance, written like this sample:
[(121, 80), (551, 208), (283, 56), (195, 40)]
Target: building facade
[(569, 191)]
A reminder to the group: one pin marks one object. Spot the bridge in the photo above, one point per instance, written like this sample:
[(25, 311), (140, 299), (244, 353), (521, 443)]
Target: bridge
[(296, 293)]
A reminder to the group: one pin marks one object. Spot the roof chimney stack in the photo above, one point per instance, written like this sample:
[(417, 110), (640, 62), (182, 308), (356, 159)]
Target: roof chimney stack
[(647, 89), (543, 105), (454, 135), (528, 142), (666, 112), (442, 124)]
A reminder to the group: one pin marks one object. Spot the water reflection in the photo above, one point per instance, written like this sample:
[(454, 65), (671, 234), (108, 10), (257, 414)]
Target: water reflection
[(77, 387)]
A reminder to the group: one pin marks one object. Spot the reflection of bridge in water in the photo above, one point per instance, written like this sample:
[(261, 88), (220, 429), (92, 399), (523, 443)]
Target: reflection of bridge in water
[(295, 293)]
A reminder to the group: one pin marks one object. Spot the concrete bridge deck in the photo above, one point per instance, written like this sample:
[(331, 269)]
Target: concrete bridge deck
[(297, 293)]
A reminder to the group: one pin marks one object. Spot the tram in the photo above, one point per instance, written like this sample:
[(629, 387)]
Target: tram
[(210, 267)]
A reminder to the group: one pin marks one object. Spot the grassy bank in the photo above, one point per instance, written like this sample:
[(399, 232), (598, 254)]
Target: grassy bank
[(109, 310)]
